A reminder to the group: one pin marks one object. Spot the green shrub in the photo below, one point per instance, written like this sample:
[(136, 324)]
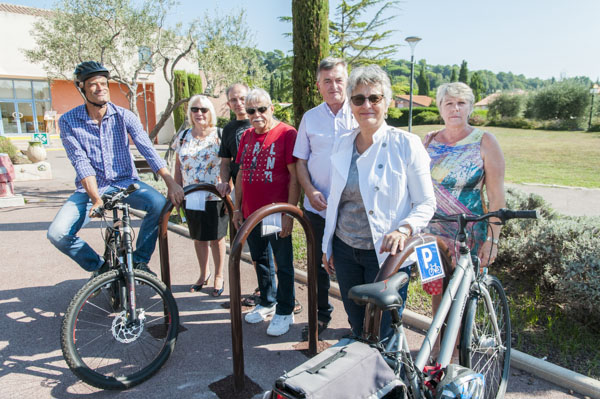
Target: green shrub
[(594, 128), (394, 113), (562, 124), (427, 118), (515, 123), (477, 119), (221, 121), (402, 120), (506, 105), (562, 251), (284, 114), (7, 147)]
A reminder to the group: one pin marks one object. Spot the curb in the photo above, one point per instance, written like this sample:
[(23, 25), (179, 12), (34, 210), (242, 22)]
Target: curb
[(548, 371)]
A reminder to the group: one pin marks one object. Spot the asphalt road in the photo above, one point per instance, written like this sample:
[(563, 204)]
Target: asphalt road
[(37, 282)]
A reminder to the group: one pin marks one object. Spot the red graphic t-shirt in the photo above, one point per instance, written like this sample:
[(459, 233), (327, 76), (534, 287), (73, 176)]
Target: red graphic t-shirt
[(263, 160)]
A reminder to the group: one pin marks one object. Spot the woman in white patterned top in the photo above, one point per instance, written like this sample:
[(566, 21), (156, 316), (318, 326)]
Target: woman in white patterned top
[(198, 161)]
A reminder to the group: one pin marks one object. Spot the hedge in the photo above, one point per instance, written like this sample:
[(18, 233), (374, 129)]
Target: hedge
[(403, 119)]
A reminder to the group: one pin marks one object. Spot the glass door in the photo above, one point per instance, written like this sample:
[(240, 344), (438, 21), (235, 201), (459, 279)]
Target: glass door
[(26, 119), (10, 118), (17, 117)]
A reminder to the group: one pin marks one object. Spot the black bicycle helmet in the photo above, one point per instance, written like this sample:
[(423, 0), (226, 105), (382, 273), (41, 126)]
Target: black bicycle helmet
[(89, 69)]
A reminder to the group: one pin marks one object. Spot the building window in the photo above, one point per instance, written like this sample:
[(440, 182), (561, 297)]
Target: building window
[(22, 105), (145, 56)]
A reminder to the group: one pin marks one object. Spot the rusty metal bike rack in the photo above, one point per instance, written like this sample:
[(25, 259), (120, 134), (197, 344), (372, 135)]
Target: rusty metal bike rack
[(237, 240), (391, 266), (163, 242), (235, 289)]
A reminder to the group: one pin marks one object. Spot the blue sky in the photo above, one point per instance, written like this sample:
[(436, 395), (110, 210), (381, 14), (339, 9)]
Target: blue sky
[(537, 38)]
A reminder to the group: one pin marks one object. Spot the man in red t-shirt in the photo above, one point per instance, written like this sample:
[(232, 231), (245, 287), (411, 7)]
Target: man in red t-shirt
[(268, 174)]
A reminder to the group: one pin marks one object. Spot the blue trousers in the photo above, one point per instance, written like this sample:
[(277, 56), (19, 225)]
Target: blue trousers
[(270, 291), (324, 307), (355, 266), (73, 215)]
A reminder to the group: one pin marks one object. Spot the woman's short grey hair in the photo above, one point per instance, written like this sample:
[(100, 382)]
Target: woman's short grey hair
[(328, 63), (204, 103), (370, 75), (256, 94), (456, 90)]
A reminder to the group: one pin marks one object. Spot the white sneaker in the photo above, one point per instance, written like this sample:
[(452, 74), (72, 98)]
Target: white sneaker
[(280, 324), (259, 313)]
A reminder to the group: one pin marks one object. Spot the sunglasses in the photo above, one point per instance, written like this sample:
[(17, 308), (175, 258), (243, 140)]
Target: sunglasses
[(251, 111), (360, 99), (201, 109)]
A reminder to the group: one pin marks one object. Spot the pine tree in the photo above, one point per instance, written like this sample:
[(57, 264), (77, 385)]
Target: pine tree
[(463, 75), (311, 44)]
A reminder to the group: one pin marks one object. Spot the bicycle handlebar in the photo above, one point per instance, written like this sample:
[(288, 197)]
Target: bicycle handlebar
[(502, 214), (110, 200)]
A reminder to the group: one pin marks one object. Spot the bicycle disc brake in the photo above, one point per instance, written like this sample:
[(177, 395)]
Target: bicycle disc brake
[(125, 333)]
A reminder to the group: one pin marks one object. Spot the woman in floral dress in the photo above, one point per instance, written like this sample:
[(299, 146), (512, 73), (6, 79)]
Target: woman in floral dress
[(197, 162)]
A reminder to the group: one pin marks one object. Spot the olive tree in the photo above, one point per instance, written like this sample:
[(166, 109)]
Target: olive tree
[(565, 100), (128, 37), (506, 105)]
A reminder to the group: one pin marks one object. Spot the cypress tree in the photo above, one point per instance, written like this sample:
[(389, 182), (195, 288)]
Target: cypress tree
[(310, 19), (194, 84), (423, 82), (476, 86), (463, 75), (454, 76), (181, 91)]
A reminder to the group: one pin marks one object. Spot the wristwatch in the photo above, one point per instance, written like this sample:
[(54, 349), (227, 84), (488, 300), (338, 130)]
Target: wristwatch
[(404, 230)]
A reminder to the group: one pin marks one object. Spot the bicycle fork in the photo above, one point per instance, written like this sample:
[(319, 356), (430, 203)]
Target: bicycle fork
[(127, 268)]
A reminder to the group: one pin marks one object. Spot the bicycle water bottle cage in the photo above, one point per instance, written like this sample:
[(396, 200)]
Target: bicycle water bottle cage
[(383, 294), (460, 383)]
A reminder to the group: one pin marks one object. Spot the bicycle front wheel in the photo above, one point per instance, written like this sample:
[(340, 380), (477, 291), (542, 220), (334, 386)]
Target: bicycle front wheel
[(104, 347), (482, 349)]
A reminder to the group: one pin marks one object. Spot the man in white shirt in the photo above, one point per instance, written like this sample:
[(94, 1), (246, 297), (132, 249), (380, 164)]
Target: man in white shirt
[(318, 130)]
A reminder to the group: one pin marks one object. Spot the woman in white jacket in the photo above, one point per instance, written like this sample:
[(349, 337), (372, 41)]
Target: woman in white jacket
[(381, 192)]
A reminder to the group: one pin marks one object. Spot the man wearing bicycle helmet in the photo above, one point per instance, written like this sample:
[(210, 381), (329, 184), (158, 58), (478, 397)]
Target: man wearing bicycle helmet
[(96, 137)]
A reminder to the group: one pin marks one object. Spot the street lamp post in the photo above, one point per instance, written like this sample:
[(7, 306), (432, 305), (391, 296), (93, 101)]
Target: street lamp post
[(412, 42), (594, 90)]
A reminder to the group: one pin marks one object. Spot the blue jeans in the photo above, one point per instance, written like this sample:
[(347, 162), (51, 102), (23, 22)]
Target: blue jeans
[(324, 307), (354, 267), (73, 215), (265, 269)]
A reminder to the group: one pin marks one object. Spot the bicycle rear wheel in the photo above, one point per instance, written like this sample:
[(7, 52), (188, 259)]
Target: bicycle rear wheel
[(99, 344), (481, 349)]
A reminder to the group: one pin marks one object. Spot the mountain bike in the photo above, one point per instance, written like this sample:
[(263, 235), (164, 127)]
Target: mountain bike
[(121, 326), (473, 303)]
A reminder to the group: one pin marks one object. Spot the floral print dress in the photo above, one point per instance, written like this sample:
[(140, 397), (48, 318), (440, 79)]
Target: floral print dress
[(199, 157)]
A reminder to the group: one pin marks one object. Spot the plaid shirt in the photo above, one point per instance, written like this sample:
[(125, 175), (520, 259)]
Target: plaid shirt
[(103, 150)]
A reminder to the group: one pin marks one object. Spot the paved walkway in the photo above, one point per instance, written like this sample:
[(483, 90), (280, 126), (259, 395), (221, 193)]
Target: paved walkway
[(572, 201), (37, 282)]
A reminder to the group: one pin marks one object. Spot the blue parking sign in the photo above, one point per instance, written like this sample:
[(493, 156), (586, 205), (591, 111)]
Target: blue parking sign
[(430, 262)]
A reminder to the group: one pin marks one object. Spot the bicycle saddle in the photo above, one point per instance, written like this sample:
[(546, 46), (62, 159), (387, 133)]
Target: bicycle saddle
[(383, 294)]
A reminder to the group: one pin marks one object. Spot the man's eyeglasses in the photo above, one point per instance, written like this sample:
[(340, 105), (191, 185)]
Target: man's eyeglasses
[(201, 109), (251, 111), (360, 99)]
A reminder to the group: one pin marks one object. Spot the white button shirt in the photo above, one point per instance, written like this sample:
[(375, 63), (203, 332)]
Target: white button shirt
[(394, 180), (318, 130)]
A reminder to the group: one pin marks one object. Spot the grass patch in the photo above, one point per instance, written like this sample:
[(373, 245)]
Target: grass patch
[(542, 328), (543, 156)]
